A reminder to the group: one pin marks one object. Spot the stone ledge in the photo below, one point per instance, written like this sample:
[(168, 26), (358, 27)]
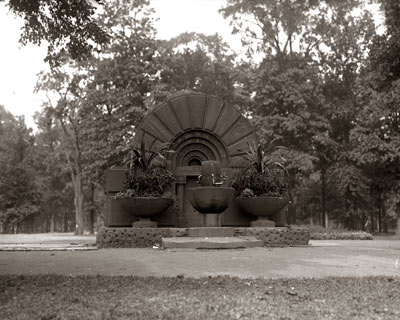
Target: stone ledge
[(135, 237), (211, 232), (147, 237), (211, 242)]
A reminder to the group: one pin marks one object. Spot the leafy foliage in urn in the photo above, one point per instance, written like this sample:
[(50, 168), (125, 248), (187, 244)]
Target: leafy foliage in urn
[(147, 175), (262, 176)]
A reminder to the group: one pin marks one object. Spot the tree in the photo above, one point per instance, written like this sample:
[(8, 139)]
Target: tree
[(99, 101), (304, 90), (197, 62), (119, 82), (48, 159), (345, 39), (19, 194), (378, 128), (281, 28), (70, 97), (67, 26)]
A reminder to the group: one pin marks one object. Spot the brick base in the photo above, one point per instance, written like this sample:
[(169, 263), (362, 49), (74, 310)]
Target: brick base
[(147, 237)]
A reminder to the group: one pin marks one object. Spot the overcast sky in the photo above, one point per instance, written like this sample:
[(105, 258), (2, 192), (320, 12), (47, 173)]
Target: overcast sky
[(20, 65)]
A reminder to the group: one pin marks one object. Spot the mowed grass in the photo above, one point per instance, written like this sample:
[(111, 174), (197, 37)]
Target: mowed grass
[(105, 297)]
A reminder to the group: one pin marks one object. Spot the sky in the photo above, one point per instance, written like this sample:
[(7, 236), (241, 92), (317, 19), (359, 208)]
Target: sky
[(19, 65)]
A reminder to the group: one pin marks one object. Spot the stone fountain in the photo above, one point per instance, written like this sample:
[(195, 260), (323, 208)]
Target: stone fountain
[(211, 198), (207, 138)]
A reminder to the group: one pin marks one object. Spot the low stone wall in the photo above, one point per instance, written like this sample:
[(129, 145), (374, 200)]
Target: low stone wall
[(135, 237), (277, 237), (147, 237)]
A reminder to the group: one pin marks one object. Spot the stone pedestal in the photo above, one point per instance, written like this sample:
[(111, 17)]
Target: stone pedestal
[(262, 222), (144, 223), (211, 220)]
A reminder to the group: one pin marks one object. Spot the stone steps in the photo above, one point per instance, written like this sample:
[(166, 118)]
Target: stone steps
[(211, 242)]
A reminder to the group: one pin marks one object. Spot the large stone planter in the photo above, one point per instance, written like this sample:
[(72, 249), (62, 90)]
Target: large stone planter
[(144, 208), (263, 208)]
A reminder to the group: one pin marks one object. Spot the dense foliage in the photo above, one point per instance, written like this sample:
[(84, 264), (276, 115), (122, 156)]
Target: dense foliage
[(154, 182), (250, 183), (262, 176), (317, 78), (147, 175), (66, 26)]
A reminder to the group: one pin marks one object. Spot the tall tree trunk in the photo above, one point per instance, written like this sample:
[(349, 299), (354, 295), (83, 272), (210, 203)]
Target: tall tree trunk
[(292, 208), (324, 214), (47, 227), (363, 219), (347, 208), (383, 210), (372, 209), (380, 212), (52, 222), (92, 212), (79, 204), (5, 227), (398, 220), (65, 222), (73, 155)]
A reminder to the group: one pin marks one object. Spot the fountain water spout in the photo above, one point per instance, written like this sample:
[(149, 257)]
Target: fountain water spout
[(222, 180)]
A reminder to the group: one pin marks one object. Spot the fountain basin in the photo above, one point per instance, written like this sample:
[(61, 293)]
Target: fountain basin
[(210, 199)]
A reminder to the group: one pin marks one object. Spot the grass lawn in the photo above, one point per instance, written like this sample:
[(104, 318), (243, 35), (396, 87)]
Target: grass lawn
[(99, 297)]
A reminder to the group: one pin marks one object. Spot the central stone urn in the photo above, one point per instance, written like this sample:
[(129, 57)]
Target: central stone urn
[(211, 199)]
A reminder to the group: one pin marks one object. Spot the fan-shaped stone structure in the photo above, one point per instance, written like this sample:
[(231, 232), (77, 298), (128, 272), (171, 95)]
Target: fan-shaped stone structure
[(197, 127)]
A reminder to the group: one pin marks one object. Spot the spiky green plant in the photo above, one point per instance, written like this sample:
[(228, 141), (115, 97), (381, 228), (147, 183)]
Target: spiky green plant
[(147, 175), (263, 176)]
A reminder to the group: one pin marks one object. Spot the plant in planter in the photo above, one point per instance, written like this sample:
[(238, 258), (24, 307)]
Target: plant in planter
[(147, 186), (262, 187)]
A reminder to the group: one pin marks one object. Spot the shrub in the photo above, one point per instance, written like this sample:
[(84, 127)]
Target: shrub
[(251, 183), (146, 177), (341, 235), (151, 183), (321, 233), (263, 176)]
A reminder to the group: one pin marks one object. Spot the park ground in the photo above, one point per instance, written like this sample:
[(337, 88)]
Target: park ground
[(62, 276), (66, 254)]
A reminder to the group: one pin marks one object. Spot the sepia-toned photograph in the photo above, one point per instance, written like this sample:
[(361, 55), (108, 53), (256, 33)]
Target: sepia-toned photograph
[(199, 159)]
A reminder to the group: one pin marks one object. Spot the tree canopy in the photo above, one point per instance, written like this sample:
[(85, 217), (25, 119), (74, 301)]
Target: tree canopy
[(64, 25)]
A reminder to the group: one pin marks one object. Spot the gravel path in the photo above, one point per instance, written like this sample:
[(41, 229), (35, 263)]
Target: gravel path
[(320, 259)]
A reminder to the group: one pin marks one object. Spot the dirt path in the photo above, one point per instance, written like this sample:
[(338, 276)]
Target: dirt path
[(320, 259)]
